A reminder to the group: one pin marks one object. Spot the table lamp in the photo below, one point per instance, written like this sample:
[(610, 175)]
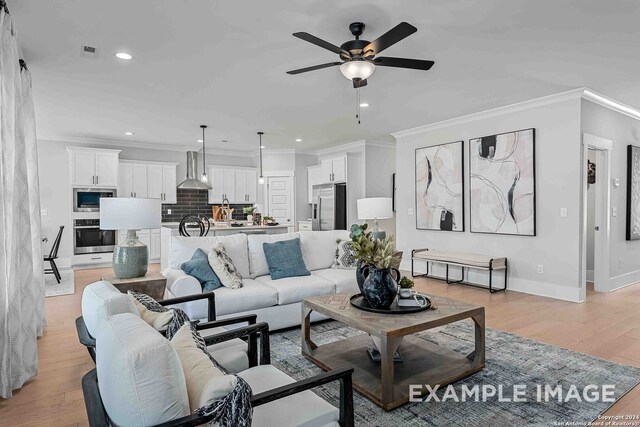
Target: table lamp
[(375, 208), (131, 257)]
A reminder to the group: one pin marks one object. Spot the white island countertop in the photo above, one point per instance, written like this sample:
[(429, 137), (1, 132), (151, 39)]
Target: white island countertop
[(218, 226)]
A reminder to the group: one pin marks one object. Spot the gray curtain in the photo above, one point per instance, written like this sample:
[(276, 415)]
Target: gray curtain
[(22, 317)]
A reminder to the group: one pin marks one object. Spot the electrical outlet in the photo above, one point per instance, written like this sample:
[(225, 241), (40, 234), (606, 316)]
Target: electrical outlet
[(614, 211), (410, 211), (168, 211), (44, 212), (540, 269), (563, 212)]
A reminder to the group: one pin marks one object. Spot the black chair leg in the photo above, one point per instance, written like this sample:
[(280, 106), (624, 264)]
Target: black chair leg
[(56, 272)]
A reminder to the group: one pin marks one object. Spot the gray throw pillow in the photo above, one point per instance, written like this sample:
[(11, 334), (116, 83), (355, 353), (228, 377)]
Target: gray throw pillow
[(285, 259)]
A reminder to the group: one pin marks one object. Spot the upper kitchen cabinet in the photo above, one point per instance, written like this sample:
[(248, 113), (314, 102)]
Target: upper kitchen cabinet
[(148, 179), (334, 169), (92, 167), (238, 185)]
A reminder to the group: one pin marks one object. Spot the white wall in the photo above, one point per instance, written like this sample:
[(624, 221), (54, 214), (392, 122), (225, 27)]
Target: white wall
[(620, 129), (558, 153), (379, 166), (55, 189), (303, 208)]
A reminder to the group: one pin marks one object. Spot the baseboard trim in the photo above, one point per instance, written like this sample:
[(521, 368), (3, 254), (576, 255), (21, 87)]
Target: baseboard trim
[(542, 289), (624, 280)]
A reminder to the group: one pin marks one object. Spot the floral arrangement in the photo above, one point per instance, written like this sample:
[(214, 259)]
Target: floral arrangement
[(249, 210), (373, 252)]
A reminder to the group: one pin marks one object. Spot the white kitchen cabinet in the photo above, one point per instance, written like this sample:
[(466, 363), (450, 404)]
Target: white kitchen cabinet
[(169, 184), (155, 246), (151, 238), (132, 180), (93, 167), (314, 177), (334, 169), (155, 183), (239, 185)]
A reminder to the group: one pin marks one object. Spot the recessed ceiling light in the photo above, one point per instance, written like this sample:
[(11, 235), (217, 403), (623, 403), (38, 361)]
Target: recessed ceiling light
[(200, 141), (124, 55), (364, 105), (298, 140), (224, 141), (129, 133)]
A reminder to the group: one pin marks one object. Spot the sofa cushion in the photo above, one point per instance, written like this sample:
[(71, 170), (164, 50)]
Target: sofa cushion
[(251, 296), (198, 266), (319, 247), (295, 289), (285, 259), (183, 248), (93, 297), (140, 376), (231, 354), (301, 409), (345, 280), (205, 381), (257, 260)]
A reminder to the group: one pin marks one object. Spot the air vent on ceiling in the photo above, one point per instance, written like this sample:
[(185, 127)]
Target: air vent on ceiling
[(89, 51)]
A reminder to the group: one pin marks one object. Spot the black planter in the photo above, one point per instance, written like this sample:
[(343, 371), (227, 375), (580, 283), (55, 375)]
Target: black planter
[(380, 287), (360, 274)]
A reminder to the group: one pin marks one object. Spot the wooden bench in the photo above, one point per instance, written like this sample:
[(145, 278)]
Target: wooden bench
[(463, 260)]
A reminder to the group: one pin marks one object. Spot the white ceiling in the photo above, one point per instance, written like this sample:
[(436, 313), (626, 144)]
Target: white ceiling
[(223, 63)]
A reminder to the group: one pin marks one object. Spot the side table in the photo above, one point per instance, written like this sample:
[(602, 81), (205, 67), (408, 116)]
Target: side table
[(152, 284)]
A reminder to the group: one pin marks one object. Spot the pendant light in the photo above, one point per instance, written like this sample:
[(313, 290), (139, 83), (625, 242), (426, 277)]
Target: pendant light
[(204, 177), (261, 179)]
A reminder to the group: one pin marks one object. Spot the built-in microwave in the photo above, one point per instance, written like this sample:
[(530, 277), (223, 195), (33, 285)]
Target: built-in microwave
[(88, 199)]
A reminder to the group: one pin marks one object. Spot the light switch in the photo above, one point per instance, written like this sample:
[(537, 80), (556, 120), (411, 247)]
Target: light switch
[(616, 182), (563, 212), (410, 211), (44, 212), (614, 211)]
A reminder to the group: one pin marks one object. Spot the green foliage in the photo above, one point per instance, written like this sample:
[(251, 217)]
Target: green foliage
[(373, 252), (406, 283), (249, 210)]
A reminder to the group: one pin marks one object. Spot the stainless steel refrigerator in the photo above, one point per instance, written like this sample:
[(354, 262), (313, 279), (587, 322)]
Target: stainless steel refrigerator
[(329, 209)]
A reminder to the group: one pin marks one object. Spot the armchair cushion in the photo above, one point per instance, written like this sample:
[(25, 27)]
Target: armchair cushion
[(140, 376), (205, 381), (94, 297), (198, 267), (285, 259), (301, 409)]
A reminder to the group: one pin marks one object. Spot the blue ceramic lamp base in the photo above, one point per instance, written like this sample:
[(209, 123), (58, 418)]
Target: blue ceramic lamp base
[(131, 257)]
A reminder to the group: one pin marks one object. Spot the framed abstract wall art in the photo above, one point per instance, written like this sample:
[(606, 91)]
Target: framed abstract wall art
[(503, 183), (440, 187), (633, 192)]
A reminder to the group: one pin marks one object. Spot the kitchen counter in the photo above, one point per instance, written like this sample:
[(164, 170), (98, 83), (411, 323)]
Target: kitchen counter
[(218, 227)]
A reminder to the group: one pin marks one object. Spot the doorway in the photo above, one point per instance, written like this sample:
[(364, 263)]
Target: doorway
[(596, 202), (279, 199)]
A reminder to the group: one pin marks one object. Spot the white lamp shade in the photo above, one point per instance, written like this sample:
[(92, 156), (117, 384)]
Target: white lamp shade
[(357, 69), (375, 208), (120, 213)]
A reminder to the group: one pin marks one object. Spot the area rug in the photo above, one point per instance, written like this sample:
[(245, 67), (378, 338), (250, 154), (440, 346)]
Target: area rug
[(65, 287), (510, 360)]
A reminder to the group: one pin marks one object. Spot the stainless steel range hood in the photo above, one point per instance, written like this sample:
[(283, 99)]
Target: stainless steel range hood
[(192, 182)]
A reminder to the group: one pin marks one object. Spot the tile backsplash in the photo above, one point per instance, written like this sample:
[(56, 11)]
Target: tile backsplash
[(195, 202)]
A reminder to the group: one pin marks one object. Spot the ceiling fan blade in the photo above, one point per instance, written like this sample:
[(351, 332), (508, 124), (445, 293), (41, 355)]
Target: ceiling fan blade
[(414, 64), (319, 42), (391, 37), (315, 67), (357, 83)]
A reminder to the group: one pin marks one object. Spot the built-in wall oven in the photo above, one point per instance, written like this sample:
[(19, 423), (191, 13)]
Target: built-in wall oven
[(89, 239), (88, 199)]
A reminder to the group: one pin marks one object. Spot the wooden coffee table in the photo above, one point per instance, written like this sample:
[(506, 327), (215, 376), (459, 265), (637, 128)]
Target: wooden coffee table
[(152, 284), (387, 383)]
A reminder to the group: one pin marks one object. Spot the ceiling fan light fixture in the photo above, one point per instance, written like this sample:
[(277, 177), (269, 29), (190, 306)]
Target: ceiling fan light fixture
[(357, 69)]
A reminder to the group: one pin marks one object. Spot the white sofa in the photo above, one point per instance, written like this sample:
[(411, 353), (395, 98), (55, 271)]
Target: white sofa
[(277, 302)]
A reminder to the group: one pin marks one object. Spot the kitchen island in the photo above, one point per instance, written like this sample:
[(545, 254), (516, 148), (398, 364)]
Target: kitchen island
[(219, 229)]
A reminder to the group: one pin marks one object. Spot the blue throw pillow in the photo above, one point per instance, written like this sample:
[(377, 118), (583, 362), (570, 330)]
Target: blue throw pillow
[(285, 259), (199, 268)]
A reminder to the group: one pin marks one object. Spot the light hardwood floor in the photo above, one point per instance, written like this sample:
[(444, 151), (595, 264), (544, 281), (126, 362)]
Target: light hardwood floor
[(607, 326)]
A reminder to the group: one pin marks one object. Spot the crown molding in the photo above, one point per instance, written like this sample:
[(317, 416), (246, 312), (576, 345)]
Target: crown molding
[(108, 144), (611, 104), (499, 111), (355, 147)]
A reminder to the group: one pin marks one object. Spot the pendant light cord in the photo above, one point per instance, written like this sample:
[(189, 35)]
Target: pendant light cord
[(204, 156), (260, 135)]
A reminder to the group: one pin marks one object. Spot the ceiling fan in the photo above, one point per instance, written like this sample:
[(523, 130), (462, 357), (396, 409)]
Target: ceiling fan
[(358, 56)]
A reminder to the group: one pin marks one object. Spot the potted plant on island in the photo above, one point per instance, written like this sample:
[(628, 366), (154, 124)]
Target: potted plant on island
[(248, 211), (376, 262)]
